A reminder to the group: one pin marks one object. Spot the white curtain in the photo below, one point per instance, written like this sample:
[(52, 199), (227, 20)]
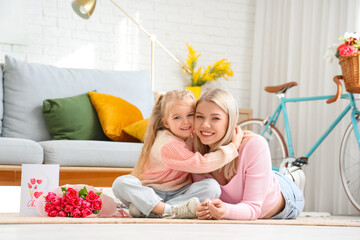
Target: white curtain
[(291, 38)]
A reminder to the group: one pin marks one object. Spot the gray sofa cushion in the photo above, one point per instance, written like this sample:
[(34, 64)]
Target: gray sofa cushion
[(1, 97), (91, 153), (20, 151), (26, 85)]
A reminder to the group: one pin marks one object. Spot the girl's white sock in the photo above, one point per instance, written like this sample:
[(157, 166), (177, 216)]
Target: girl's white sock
[(167, 209)]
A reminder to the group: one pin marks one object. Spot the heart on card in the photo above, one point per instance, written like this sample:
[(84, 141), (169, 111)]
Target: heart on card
[(39, 181), (38, 194), (32, 181)]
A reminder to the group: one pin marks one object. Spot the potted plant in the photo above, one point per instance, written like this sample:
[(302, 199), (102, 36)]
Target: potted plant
[(220, 69)]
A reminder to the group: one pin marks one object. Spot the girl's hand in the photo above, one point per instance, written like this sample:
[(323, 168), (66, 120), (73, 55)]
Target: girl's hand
[(217, 209), (202, 210), (237, 137)]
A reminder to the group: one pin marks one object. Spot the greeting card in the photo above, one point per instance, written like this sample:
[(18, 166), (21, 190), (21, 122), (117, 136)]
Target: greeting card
[(36, 179)]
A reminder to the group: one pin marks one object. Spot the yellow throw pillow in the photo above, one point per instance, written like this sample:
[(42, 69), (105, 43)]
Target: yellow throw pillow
[(137, 129), (115, 114)]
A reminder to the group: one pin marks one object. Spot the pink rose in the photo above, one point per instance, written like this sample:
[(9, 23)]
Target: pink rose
[(341, 46), (49, 207), (61, 214), (86, 212), (53, 213), (86, 204), (56, 200), (76, 202), (68, 208), (96, 204), (76, 213), (50, 197), (71, 193), (347, 50), (58, 207), (92, 196), (64, 200)]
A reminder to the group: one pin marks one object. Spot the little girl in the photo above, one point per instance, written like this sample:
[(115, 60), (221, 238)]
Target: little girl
[(161, 183)]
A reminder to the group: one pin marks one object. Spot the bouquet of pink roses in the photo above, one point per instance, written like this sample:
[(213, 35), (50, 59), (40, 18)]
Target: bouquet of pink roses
[(78, 201), (73, 203)]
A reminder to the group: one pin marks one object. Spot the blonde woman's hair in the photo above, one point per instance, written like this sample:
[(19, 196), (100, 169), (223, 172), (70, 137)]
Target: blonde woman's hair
[(160, 110), (228, 104)]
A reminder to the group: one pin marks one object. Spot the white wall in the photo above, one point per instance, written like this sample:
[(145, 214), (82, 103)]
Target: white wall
[(108, 40)]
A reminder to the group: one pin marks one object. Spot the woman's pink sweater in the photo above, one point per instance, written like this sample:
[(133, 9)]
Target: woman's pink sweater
[(254, 190), (171, 163)]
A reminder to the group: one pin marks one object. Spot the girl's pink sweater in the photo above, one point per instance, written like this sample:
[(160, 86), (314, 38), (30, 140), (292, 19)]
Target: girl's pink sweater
[(171, 162), (254, 190)]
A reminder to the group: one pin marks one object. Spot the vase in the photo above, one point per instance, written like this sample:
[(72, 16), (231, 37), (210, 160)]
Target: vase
[(196, 91)]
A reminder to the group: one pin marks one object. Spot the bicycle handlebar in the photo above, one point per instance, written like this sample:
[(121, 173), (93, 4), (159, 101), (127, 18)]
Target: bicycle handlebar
[(339, 89)]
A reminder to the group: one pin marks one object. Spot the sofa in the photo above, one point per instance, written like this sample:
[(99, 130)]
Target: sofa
[(25, 137)]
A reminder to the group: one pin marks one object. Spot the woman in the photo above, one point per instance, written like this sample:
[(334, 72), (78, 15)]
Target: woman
[(250, 189)]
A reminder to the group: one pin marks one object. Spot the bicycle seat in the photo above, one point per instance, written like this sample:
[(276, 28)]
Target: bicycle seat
[(280, 88)]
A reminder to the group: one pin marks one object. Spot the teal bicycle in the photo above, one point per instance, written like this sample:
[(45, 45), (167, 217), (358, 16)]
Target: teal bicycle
[(282, 154)]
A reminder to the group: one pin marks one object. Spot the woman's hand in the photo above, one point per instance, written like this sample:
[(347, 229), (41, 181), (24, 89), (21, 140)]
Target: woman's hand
[(237, 137), (211, 209), (217, 209)]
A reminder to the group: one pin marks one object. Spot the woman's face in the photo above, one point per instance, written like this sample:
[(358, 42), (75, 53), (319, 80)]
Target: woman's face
[(211, 123)]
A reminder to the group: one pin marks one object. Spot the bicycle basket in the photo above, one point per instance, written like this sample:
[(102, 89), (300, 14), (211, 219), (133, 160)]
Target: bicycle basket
[(350, 70)]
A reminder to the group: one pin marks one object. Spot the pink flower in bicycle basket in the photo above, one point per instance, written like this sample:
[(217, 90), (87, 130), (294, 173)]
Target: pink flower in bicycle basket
[(347, 50)]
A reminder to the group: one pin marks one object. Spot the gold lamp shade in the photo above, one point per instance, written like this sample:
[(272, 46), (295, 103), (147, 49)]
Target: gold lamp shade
[(84, 8)]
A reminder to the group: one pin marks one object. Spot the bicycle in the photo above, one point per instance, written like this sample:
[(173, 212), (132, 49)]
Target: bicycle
[(282, 154)]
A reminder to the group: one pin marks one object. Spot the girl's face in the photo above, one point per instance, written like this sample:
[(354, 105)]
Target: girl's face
[(180, 119), (211, 123)]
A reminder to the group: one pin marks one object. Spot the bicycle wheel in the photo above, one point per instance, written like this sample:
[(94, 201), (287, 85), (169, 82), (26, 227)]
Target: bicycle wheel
[(278, 149), (350, 165)]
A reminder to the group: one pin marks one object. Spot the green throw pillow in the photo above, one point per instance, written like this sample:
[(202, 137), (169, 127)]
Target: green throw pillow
[(72, 118)]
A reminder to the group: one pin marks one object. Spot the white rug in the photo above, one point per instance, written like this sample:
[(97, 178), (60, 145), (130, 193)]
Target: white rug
[(313, 219)]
